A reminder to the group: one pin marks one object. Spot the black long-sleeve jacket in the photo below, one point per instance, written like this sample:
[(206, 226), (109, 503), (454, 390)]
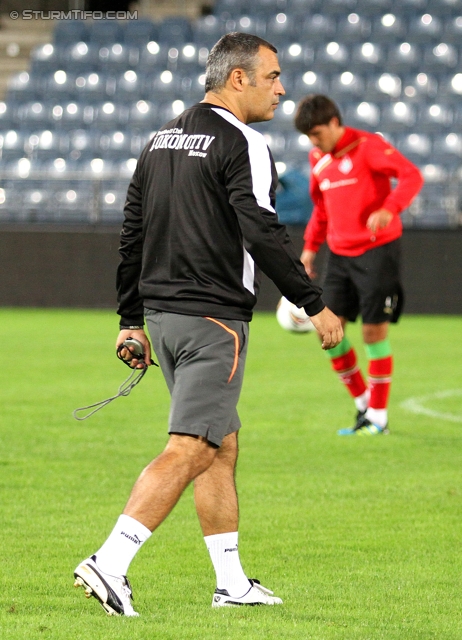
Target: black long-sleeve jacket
[(199, 217)]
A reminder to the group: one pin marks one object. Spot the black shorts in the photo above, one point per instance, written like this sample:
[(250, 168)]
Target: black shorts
[(368, 285)]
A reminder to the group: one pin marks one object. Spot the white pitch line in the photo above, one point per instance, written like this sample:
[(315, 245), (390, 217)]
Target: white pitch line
[(416, 405)]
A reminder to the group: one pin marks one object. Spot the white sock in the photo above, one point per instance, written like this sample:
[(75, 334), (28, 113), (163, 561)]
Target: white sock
[(125, 540), (362, 401), (378, 417), (224, 554)]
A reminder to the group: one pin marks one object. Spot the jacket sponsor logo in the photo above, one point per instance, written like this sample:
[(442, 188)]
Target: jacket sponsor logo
[(326, 184), (195, 143), (345, 165)]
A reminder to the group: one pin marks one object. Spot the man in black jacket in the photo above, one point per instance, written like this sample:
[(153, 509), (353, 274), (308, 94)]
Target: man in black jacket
[(199, 222)]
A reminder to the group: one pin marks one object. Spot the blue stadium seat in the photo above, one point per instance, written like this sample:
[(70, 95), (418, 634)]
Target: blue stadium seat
[(23, 87), (91, 88), (353, 27), (420, 87), (83, 144), (170, 110), (105, 32), (45, 144), (295, 57), (12, 144), (404, 57), (447, 149), (284, 115), (317, 28), (72, 115), (67, 31), (73, 202), (398, 117), (8, 112), (425, 28), (338, 7), (452, 32), (175, 29), (301, 8), (388, 28), (267, 8), (230, 8), (368, 57), (280, 28), (153, 56), (60, 85), (331, 57), (162, 86), (383, 87), (114, 145), (298, 146), (208, 30), (411, 7), (442, 56), (196, 90), (374, 7), (36, 206), (118, 57), (248, 24), (129, 86), (415, 146), (111, 116), (143, 115), (46, 58), (81, 57), (309, 82), (450, 87), (437, 117), (139, 32), (187, 57), (363, 115), (33, 114), (111, 205), (347, 85)]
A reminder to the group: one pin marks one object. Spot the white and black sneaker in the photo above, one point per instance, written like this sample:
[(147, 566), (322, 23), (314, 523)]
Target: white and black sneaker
[(257, 594), (112, 592)]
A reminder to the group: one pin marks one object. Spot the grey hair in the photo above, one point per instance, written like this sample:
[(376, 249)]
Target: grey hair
[(233, 51)]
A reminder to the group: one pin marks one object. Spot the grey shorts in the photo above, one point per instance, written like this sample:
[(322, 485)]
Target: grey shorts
[(203, 362)]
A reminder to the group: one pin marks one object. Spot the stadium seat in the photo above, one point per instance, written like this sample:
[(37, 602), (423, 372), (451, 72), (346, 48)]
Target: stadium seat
[(295, 57), (23, 87), (117, 58), (447, 149), (382, 87), (441, 56), (187, 58), (353, 28), (452, 32), (398, 116), (420, 87), (411, 7), (8, 111), (365, 115), (404, 57), (435, 117), (284, 115), (33, 114), (60, 85), (347, 85), (207, 30), (367, 57), (81, 57), (175, 29), (82, 144), (247, 24), (162, 86), (67, 31), (91, 88), (170, 110), (129, 86), (301, 8), (293, 204), (196, 90), (425, 28), (110, 116), (450, 87), (113, 145), (415, 146), (12, 144), (388, 28), (317, 28), (72, 115), (280, 28), (267, 7), (153, 56), (309, 82), (137, 33), (229, 8), (373, 7), (74, 202), (143, 115), (45, 144), (105, 32), (331, 57), (338, 7), (46, 58), (297, 148), (111, 205)]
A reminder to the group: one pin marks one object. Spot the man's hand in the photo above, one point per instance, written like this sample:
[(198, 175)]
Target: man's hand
[(379, 220), (307, 259), (126, 354), (329, 328)]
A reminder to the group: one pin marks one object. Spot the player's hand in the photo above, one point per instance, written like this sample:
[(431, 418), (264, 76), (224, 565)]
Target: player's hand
[(307, 259), (126, 354), (379, 220), (329, 327)]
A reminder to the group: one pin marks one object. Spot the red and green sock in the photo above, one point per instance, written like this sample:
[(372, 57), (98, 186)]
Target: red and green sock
[(345, 363), (379, 372)]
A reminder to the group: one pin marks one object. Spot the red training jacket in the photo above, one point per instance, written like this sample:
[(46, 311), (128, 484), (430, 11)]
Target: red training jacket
[(350, 183)]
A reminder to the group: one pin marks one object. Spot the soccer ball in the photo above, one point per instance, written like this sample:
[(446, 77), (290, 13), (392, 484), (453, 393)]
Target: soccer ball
[(291, 318)]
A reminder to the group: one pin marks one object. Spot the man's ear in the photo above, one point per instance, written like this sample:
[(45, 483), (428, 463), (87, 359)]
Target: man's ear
[(237, 79)]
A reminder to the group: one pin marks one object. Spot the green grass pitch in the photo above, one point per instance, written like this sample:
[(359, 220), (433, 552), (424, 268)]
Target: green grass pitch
[(359, 536)]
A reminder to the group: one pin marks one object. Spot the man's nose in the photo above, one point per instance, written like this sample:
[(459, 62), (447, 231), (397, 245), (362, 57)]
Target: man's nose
[(280, 91)]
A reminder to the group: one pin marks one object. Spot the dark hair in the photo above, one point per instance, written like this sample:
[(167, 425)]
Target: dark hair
[(314, 110), (233, 51)]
